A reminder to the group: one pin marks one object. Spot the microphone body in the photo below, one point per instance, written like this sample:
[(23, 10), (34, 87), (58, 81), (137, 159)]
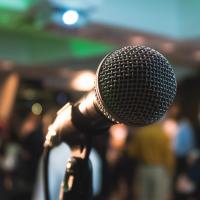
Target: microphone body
[(134, 85), (74, 120)]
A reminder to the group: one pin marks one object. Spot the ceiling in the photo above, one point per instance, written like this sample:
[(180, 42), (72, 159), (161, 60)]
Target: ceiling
[(170, 27), (177, 19)]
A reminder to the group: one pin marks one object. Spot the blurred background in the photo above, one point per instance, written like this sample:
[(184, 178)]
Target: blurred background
[(49, 52)]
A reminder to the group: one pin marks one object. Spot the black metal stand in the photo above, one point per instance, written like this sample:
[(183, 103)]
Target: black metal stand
[(73, 125), (77, 184), (46, 154)]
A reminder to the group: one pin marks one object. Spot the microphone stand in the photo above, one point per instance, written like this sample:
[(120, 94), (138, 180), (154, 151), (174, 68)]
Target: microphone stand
[(77, 183), (71, 123)]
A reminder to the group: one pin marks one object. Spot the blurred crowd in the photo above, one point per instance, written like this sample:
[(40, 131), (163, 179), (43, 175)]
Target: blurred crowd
[(156, 162)]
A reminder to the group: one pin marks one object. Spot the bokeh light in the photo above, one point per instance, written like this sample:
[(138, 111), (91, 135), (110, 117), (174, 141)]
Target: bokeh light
[(84, 81), (37, 108), (70, 17)]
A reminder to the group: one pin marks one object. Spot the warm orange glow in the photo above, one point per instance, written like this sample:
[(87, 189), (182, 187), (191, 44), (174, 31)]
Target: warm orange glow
[(119, 134), (170, 127), (137, 40), (84, 81), (7, 95), (168, 47)]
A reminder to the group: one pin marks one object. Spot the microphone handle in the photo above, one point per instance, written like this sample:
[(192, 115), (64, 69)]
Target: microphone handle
[(77, 120)]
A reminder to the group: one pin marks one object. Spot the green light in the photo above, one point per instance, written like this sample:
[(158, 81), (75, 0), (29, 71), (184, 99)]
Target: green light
[(27, 46), (20, 5)]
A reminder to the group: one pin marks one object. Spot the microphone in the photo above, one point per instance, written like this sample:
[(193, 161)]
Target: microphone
[(134, 85)]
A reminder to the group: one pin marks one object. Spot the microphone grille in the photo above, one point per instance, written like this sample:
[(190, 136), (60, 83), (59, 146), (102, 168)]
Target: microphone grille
[(135, 85)]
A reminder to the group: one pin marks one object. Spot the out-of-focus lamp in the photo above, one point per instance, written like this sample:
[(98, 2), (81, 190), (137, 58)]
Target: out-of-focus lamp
[(70, 17), (84, 81), (36, 108)]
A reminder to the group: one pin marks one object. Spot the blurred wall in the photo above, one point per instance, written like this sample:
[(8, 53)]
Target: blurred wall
[(175, 18)]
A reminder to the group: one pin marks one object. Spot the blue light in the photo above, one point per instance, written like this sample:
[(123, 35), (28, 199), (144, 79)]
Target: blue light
[(70, 17)]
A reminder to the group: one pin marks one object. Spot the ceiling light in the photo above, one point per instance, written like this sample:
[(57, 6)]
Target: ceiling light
[(70, 17)]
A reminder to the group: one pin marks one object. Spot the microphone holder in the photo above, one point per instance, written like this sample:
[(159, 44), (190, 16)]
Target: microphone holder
[(71, 124), (77, 183)]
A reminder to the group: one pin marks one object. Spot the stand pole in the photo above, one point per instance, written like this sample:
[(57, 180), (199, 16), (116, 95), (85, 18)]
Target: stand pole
[(77, 184)]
